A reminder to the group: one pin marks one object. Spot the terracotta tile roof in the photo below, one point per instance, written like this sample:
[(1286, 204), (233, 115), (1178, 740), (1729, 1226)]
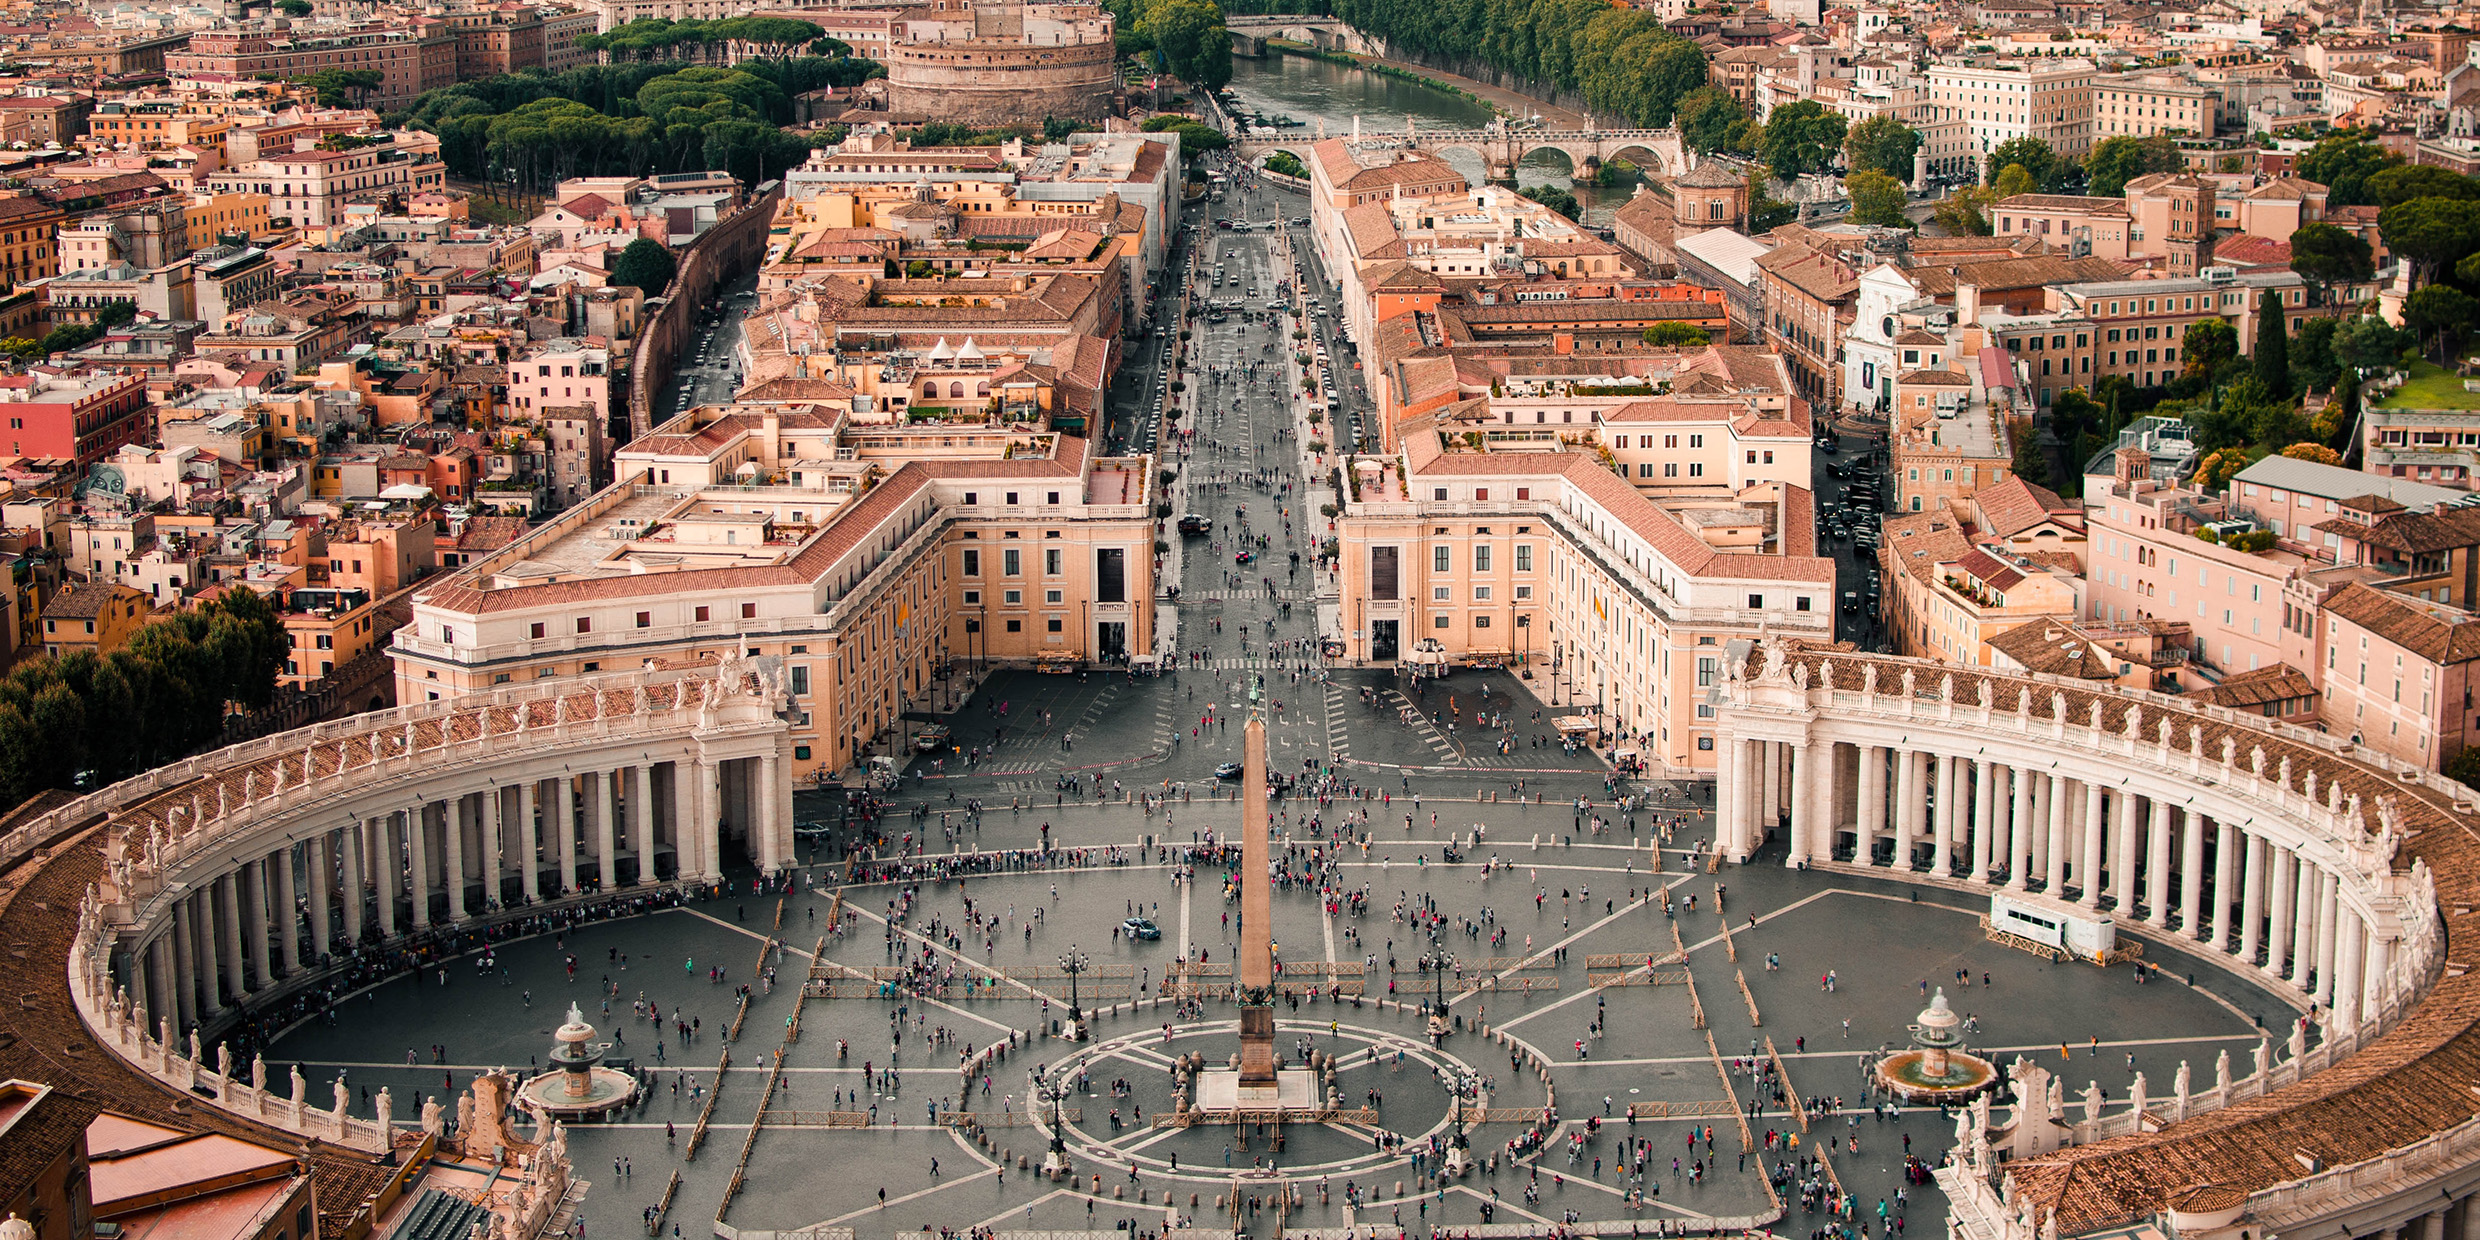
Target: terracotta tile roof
[(2432, 631), (2056, 650), (2014, 505), (2014, 273), (2406, 532), (2278, 683)]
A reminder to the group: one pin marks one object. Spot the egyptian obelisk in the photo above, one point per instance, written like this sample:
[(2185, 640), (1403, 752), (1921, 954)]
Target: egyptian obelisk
[(1256, 989)]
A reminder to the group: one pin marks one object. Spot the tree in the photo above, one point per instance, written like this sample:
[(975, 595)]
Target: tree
[(2342, 162), (1707, 117), (1677, 334), (1190, 37), (1800, 137), (1876, 199), (2365, 344), (645, 264), (1284, 163), (1881, 144), (2012, 180), (1765, 212), (2440, 311), (2433, 233), (1553, 197), (2116, 161), (2325, 256), (2313, 366), (294, 8), (2316, 452), (1965, 212), (2031, 463), (2272, 360), (340, 88), (2206, 345), (2035, 156), (2409, 181)]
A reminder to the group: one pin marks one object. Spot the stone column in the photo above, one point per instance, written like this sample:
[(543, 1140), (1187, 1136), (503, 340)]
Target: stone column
[(1771, 760), (560, 815), (184, 968), (1754, 826), (2327, 892), (2252, 897), (2124, 820), (685, 828), (320, 861), (2281, 892), (207, 940), (228, 936), (1726, 798), (2157, 868), (2060, 795), (162, 998), (387, 870), (2019, 833), (2303, 920), (710, 826), (2227, 864), (1871, 820), (600, 785), (2350, 955), (455, 814), (1942, 849), (1985, 781), (2096, 833), (529, 839), (353, 846), (288, 913), (254, 917), (766, 808), (1899, 770), (641, 821), (493, 826), (418, 843), (2380, 972), (1805, 809), (1915, 809), (2433, 1225), (2191, 876)]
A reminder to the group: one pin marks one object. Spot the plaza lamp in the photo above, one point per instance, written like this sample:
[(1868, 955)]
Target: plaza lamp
[(1074, 962)]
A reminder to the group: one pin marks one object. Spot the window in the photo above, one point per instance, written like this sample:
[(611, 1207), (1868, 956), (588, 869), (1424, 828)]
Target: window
[(645, 619), (1015, 626), (1441, 594), (1438, 621), (1012, 598), (701, 615), (1382, 572), (585, 624), (1010, 562), (534, 630), (1050, 562), (800, 680), (1481, 559), (1706, 671), (749, 611), (1438, 493), (1052, 624), (972, 598), (1524, 558), (1441, 559), (1481, 594), (1481, 622), (972, 561)]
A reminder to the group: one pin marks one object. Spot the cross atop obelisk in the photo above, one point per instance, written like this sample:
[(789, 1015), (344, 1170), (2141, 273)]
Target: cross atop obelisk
[(1256, 990)]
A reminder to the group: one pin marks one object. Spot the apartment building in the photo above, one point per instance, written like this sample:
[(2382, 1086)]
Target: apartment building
[(2152, 101), (411, 55), (862, 559), (77, 419), (1455, 555), (2138, 324), (315, 189), (2399, 674), (2427, 445), (2000, 101)]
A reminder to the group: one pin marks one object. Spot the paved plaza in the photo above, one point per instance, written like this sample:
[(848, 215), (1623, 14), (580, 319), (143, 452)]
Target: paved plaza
[(872, 1126)]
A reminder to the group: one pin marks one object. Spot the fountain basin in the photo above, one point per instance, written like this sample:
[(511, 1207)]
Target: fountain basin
[(1906, 1074)]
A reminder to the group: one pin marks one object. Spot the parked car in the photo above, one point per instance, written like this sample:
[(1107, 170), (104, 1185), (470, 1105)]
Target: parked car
[(1193, 524), (1141, 928)]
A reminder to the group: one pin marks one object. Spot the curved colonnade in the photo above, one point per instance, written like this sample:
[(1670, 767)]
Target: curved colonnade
[(2314, 869), (234, 880), (2320, 872)]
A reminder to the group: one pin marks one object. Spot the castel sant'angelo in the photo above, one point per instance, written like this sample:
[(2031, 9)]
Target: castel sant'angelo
[(1001, 62)]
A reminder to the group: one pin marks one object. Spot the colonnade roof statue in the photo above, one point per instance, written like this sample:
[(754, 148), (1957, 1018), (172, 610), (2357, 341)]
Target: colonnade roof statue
[(2389, 846)]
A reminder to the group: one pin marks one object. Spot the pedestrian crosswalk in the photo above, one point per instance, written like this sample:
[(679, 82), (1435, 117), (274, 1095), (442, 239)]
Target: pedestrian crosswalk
[(1232, 663)]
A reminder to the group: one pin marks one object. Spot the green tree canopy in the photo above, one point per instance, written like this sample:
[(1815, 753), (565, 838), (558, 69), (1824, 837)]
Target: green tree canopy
[(1876, 199), (1881, 144), (2409, 181), (2271, 361), (1553, 197), (2433, 233), (1707, 118), (1189, 36), (2313, 365), (1800, 137), (2342, 162), (2442, 312), (2206, 345), (2034, 155), (343, 88), (1676, 334), (645, 264), (2325, 256), (1620, 60), (2366, 344), (2116, 161)]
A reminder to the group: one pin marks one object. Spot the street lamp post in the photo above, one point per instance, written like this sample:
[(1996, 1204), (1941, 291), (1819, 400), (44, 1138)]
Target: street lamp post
[(1073, 962)]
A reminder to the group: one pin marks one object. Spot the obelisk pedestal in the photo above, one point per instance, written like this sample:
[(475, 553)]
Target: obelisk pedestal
[(1256, 989)]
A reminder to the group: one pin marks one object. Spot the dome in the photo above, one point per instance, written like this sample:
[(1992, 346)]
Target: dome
[(16, 1228), (940, 352)]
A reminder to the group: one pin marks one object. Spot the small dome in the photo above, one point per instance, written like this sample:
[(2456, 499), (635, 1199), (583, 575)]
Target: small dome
[(15, 1228)]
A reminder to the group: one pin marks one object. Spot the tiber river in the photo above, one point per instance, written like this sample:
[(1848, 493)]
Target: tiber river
[(1313, 90)]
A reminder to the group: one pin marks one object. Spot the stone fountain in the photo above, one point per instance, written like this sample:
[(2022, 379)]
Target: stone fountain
[(577, 1083), (1936, 1069)]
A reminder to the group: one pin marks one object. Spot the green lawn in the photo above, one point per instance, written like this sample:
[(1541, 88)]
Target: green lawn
[(2430, 387)]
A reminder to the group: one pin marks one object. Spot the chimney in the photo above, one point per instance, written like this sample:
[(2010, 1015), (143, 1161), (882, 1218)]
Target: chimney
[(1967, 304)]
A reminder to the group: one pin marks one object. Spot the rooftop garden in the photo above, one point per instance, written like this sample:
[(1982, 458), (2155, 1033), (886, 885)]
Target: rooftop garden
[(2429, 386)]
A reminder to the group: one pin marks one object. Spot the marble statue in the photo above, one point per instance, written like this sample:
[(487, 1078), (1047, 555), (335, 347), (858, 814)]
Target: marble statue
[(258, 1072), (2297, 1043), (2092, 1100), (2221, 1072), (387, 1106), (344, 1096), (223, 1060), (1776, 662), (2184, 1084), (299, 1085), (2264, 1055), (1910, 679), (195, 1055), (2136, 1094), (1868, 679), (431, 1117)]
